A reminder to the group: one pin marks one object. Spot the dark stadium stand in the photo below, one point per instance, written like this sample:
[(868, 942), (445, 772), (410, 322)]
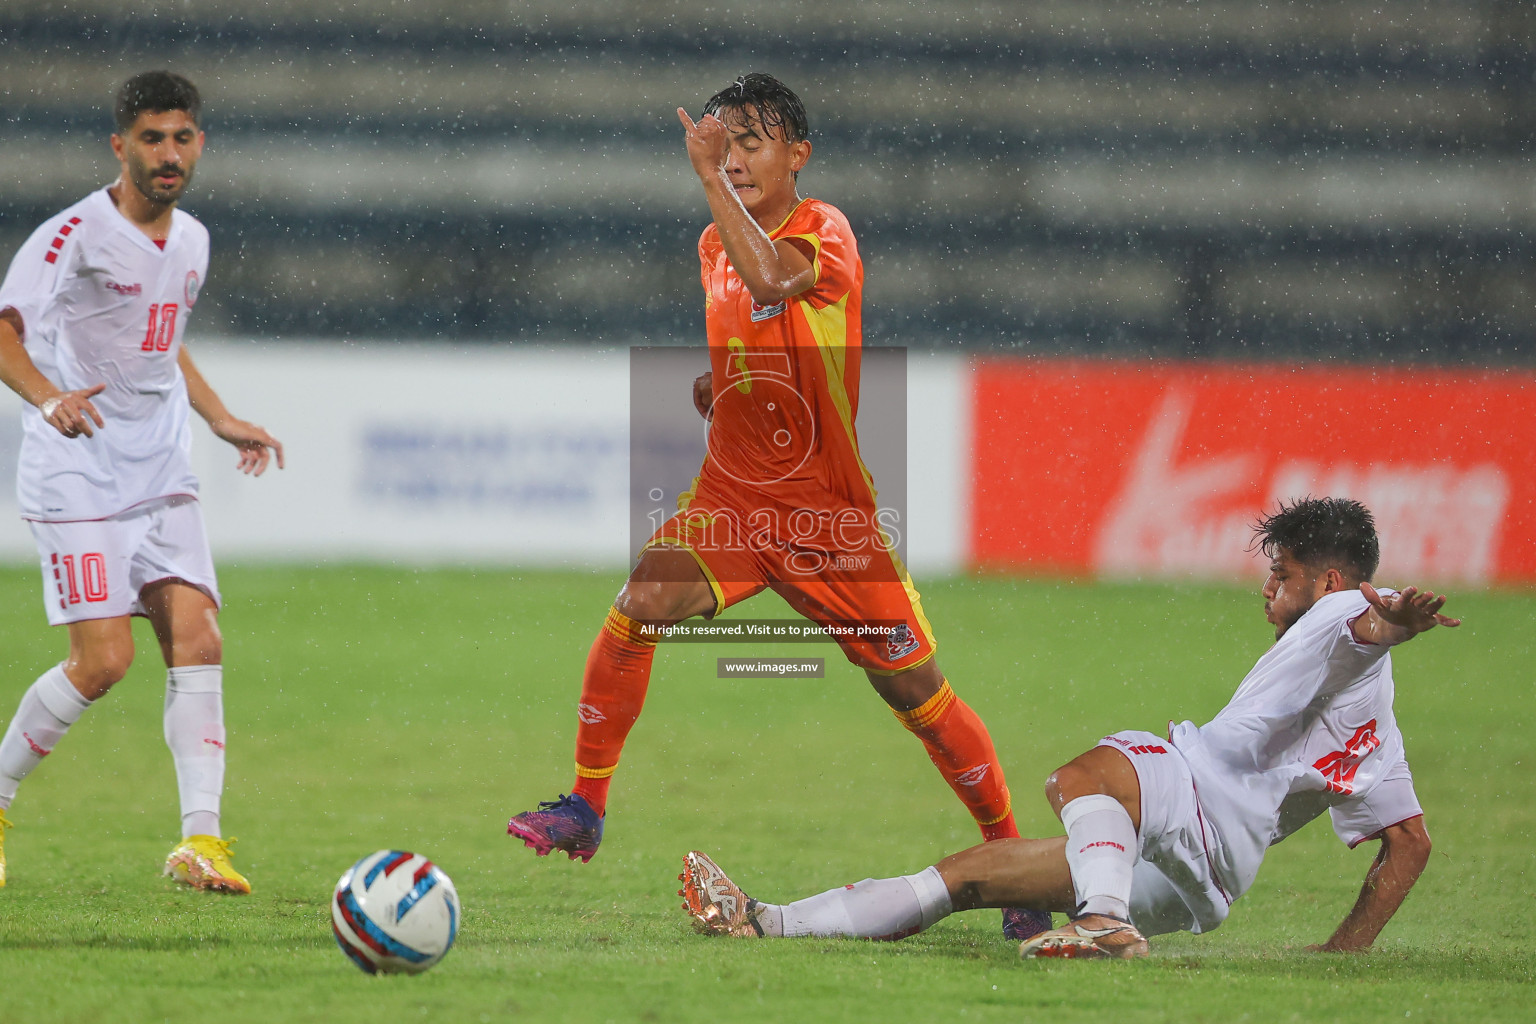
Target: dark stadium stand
[(1339, 179)]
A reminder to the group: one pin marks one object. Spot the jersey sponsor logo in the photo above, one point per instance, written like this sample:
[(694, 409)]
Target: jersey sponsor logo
[(973, 776), (695, 527), (126, 289), (191, 289), (761, 313), (1339, 767), (589, 715), (902, 643)]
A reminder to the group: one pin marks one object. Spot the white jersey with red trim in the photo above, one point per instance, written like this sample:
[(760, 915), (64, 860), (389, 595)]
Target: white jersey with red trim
[(103, 304), (1310, 729)]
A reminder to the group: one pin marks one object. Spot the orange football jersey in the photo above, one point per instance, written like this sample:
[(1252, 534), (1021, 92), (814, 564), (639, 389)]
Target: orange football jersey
[(786, 377)]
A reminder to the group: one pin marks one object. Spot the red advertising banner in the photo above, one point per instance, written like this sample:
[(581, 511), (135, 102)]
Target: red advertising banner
[(1158, 469)]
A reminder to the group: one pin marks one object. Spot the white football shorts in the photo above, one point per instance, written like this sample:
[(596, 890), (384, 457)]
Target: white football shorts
[(96, 569), (1173, 887)]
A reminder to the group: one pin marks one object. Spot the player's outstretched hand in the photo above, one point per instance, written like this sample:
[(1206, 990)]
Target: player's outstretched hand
[(1409, 609), (71, 412), (256, 445), (708, 142), (704, 393)]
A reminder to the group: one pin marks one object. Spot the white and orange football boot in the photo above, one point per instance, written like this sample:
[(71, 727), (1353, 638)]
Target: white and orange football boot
[(203, 863), (716, 904), (1090, 937)]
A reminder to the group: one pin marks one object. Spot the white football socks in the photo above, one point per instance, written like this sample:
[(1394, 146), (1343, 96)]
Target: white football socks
[(194, 730), (876, 908), (49, 707), (1101, 854)]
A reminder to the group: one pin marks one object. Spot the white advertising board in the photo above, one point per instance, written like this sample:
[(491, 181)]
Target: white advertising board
[(427, 454)]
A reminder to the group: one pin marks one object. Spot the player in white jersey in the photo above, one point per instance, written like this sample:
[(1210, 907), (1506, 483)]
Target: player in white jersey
[(1164, 833), (92, 317)]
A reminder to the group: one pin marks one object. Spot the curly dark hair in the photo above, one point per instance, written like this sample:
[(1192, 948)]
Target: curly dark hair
[(776, 105), (1322, 533), (156, 91)]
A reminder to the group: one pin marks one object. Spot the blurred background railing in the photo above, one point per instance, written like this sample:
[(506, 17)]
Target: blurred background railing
[(1334, 180)]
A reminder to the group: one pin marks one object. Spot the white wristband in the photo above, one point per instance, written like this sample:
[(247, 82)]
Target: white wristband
[(48, 406)]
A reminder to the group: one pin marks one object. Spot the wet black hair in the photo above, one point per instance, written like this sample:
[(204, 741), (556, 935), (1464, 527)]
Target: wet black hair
[(777, 106), (156, 91), (1323, 533)]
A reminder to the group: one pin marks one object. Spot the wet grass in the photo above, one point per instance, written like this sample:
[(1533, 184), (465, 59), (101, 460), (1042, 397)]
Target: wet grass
[(371, 707)]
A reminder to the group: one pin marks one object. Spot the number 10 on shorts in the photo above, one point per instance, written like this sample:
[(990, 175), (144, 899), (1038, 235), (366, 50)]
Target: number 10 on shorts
[(90, 580)]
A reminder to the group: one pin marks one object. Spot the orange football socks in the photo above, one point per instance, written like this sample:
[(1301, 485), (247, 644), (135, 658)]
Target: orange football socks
[(958, 744), (612, 694)]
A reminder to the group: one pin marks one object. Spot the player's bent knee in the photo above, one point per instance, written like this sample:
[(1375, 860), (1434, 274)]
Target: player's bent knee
[(1071, 781), (1053, 786), (661, 603), (97, 671)]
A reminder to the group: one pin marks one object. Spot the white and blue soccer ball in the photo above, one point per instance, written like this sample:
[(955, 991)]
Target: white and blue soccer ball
[(395, 912)]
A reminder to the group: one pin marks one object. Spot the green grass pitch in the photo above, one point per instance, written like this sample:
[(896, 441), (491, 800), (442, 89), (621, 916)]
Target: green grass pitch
[(371, 707)]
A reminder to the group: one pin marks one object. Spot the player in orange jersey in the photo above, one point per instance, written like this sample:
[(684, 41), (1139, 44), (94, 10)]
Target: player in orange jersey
[(783, 499)]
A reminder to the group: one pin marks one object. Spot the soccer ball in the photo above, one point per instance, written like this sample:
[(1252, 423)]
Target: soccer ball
[(395, 912)]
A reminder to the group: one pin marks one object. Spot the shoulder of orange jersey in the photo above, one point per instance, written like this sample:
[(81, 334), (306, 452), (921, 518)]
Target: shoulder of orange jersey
[(813, 215)]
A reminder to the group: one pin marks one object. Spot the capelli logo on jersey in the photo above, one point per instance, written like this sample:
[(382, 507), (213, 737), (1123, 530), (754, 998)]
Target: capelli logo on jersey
[(761, 313), (126, 289)]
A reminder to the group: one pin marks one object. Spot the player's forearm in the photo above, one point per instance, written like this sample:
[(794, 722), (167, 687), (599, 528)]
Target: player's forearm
[(1404, 853), (754, 257), (204, 400), (17, 370), (1372, 628)]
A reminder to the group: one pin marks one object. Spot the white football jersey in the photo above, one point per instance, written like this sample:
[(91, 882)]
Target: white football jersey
[(1309, 729), (103, 304)]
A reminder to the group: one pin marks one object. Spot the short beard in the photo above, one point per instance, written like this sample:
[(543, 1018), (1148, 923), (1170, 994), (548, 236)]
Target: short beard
[(1282, 627), (142, 179)]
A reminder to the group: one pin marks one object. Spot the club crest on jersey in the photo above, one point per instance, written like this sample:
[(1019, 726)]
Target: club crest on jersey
[(760, 313), (193, 284), (902, 643)]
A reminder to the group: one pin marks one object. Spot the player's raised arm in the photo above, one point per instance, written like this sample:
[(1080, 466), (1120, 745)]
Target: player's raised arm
[(256, 445), (742, 163), (1404, 853), (1399, 617), (68, 412)]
